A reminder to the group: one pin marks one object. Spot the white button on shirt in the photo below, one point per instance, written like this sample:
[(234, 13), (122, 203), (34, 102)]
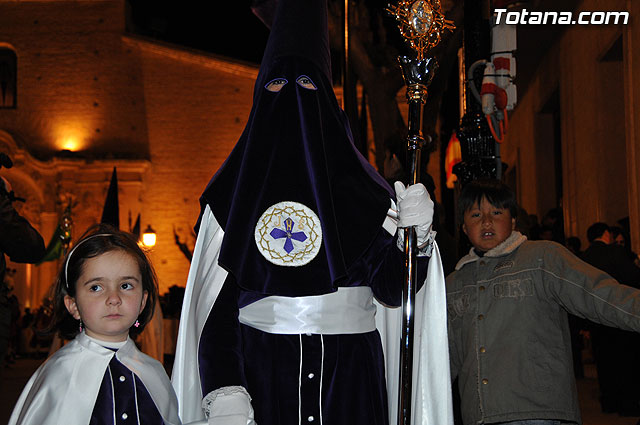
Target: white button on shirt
[(310, 376), (310, 419), (125, 416), (122, 378)]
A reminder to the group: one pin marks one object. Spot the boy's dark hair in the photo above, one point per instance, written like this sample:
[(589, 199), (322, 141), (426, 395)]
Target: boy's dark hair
[(495, 191), (97, 240), (596, 230)]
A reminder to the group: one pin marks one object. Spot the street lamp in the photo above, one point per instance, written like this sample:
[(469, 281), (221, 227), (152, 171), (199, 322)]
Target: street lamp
[(149, 237)]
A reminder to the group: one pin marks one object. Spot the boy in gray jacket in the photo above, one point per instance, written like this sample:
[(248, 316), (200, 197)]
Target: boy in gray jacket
[(507, 302)]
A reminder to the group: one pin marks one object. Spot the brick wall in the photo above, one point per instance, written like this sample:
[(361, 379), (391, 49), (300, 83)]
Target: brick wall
[(77, 82), (196, 109)]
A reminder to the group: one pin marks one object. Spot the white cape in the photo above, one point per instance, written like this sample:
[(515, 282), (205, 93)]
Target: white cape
[(432, 403), (65, 387)]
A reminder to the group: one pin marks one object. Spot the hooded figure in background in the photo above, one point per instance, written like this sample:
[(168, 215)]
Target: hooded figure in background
[(296, 246)]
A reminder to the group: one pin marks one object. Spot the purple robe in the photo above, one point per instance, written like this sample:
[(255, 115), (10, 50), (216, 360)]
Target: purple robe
[(123, 399), (339, 378)]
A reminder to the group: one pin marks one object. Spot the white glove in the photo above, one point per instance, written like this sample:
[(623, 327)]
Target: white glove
[(415, 208), (228, 406)]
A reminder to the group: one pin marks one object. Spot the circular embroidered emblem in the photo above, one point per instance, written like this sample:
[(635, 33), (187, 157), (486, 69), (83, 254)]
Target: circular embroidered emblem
[(288, 234)]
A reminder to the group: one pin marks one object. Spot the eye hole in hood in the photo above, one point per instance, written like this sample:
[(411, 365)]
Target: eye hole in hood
[(305, 82), (276, 84)]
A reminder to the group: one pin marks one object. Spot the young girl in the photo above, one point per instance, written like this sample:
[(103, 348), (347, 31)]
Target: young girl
[(106, 291)]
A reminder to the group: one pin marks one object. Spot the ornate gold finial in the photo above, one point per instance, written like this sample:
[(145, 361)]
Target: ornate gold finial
[(421, 23)]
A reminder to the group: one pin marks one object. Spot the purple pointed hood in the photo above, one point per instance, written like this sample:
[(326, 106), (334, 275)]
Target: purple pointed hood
[(296, 147)]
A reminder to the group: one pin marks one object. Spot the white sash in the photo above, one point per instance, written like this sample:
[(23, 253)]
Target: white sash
[(347, 311)]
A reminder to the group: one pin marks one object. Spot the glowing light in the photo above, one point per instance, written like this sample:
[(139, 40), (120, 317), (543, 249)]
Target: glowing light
[(149, 237), (70, 145), (72, 134)]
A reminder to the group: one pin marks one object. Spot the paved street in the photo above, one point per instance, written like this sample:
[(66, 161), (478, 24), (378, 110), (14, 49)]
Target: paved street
[(13, 380), (589, 405)]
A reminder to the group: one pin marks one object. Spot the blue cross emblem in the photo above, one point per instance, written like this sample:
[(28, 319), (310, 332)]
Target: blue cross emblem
[(287, 233)]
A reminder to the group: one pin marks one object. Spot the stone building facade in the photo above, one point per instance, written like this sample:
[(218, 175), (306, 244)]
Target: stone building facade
[(90, 97), (573, 138)]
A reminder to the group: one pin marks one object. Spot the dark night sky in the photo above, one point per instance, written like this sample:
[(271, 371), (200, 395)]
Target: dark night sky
[(227, 28)]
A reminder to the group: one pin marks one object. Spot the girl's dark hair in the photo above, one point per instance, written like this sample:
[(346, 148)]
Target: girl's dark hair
[(97, 240), (495, 191)]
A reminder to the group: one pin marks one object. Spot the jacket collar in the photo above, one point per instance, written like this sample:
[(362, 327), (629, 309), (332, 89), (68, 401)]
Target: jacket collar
[(507, 246)]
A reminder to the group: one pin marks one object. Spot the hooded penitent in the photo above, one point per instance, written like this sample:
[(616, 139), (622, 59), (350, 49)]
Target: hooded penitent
[(294, 213), (295, 198)]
